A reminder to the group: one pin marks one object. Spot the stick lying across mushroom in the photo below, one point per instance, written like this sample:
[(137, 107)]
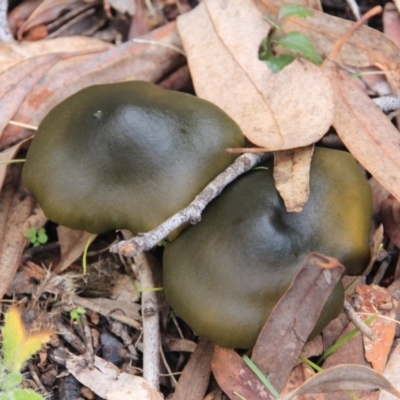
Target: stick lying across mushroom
[(224, 275), (126, 155)]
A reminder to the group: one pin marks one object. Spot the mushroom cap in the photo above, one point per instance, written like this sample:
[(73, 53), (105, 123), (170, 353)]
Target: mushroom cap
[(224, 275), (126, 155)]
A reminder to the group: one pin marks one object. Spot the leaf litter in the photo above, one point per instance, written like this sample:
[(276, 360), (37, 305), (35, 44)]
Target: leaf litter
[(274, 111)]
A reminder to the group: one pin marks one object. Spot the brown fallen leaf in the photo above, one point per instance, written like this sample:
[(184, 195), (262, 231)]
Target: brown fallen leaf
[(344, 377), (235, 377), (281, 339), (371, 299), (366, 131), (16, 205), (194, 379), (291, 176), (143, 61), (276, 111)]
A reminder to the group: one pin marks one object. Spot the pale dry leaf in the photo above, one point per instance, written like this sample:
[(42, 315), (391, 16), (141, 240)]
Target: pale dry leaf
[(291, 176), (391, 372), (195, 377), (281, 339), (277, 111), (366, 131), (344, 377), (108, 382), (16, 205), (397, 4), (124, 6), (72, 244)]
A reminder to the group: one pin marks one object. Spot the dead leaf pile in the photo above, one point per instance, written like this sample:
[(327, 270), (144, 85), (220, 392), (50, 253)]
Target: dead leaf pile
[(286, 113)]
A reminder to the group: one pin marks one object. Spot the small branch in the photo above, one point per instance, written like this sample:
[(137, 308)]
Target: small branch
[(192, 213), (151, 325), (388, 103), (5, 34), (358, 321)]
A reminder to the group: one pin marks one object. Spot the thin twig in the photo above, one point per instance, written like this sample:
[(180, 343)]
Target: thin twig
[(5, 33), (192, 213), (354, 8), (357, 321), (151, 326)]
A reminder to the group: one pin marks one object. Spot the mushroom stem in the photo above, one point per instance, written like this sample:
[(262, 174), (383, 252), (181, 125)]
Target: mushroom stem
[(192, 213)]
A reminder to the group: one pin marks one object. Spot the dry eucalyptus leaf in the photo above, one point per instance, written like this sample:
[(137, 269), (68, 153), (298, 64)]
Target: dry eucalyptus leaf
[(143, 61), (16, 205), (366, 131), (291, 176), (281, 339), (194, 379), (277, 111), (344, 377), (235, 377), (108, 382)]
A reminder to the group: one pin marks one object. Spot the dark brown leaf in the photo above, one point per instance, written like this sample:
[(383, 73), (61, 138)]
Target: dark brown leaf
[(287, 329)]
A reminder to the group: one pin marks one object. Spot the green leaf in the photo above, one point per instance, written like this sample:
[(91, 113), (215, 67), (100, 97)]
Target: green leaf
[(31, 234), (265, 50), (294, 10), (10, 381), (300, 44), (277, 63), (42, 236), (27, 394)]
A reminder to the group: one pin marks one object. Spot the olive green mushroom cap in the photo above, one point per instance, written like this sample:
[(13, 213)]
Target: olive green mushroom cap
[(126, 155), (224, 275)]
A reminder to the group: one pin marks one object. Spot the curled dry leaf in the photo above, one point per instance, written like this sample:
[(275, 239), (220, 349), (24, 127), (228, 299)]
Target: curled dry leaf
[(276, 111), (344, 377), (281, 339), (291, 175)]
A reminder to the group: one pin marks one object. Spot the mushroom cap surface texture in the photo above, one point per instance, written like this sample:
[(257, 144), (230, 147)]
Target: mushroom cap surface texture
[(126, 155), (224, 275)]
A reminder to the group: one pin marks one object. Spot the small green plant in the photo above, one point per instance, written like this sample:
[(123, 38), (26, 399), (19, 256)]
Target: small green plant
[(36, 236), (294, 43), (76, 313), (18, 346)]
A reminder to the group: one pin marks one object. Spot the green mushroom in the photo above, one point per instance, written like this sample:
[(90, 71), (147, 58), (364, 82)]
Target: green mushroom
[(126, 155), (224, 275)]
